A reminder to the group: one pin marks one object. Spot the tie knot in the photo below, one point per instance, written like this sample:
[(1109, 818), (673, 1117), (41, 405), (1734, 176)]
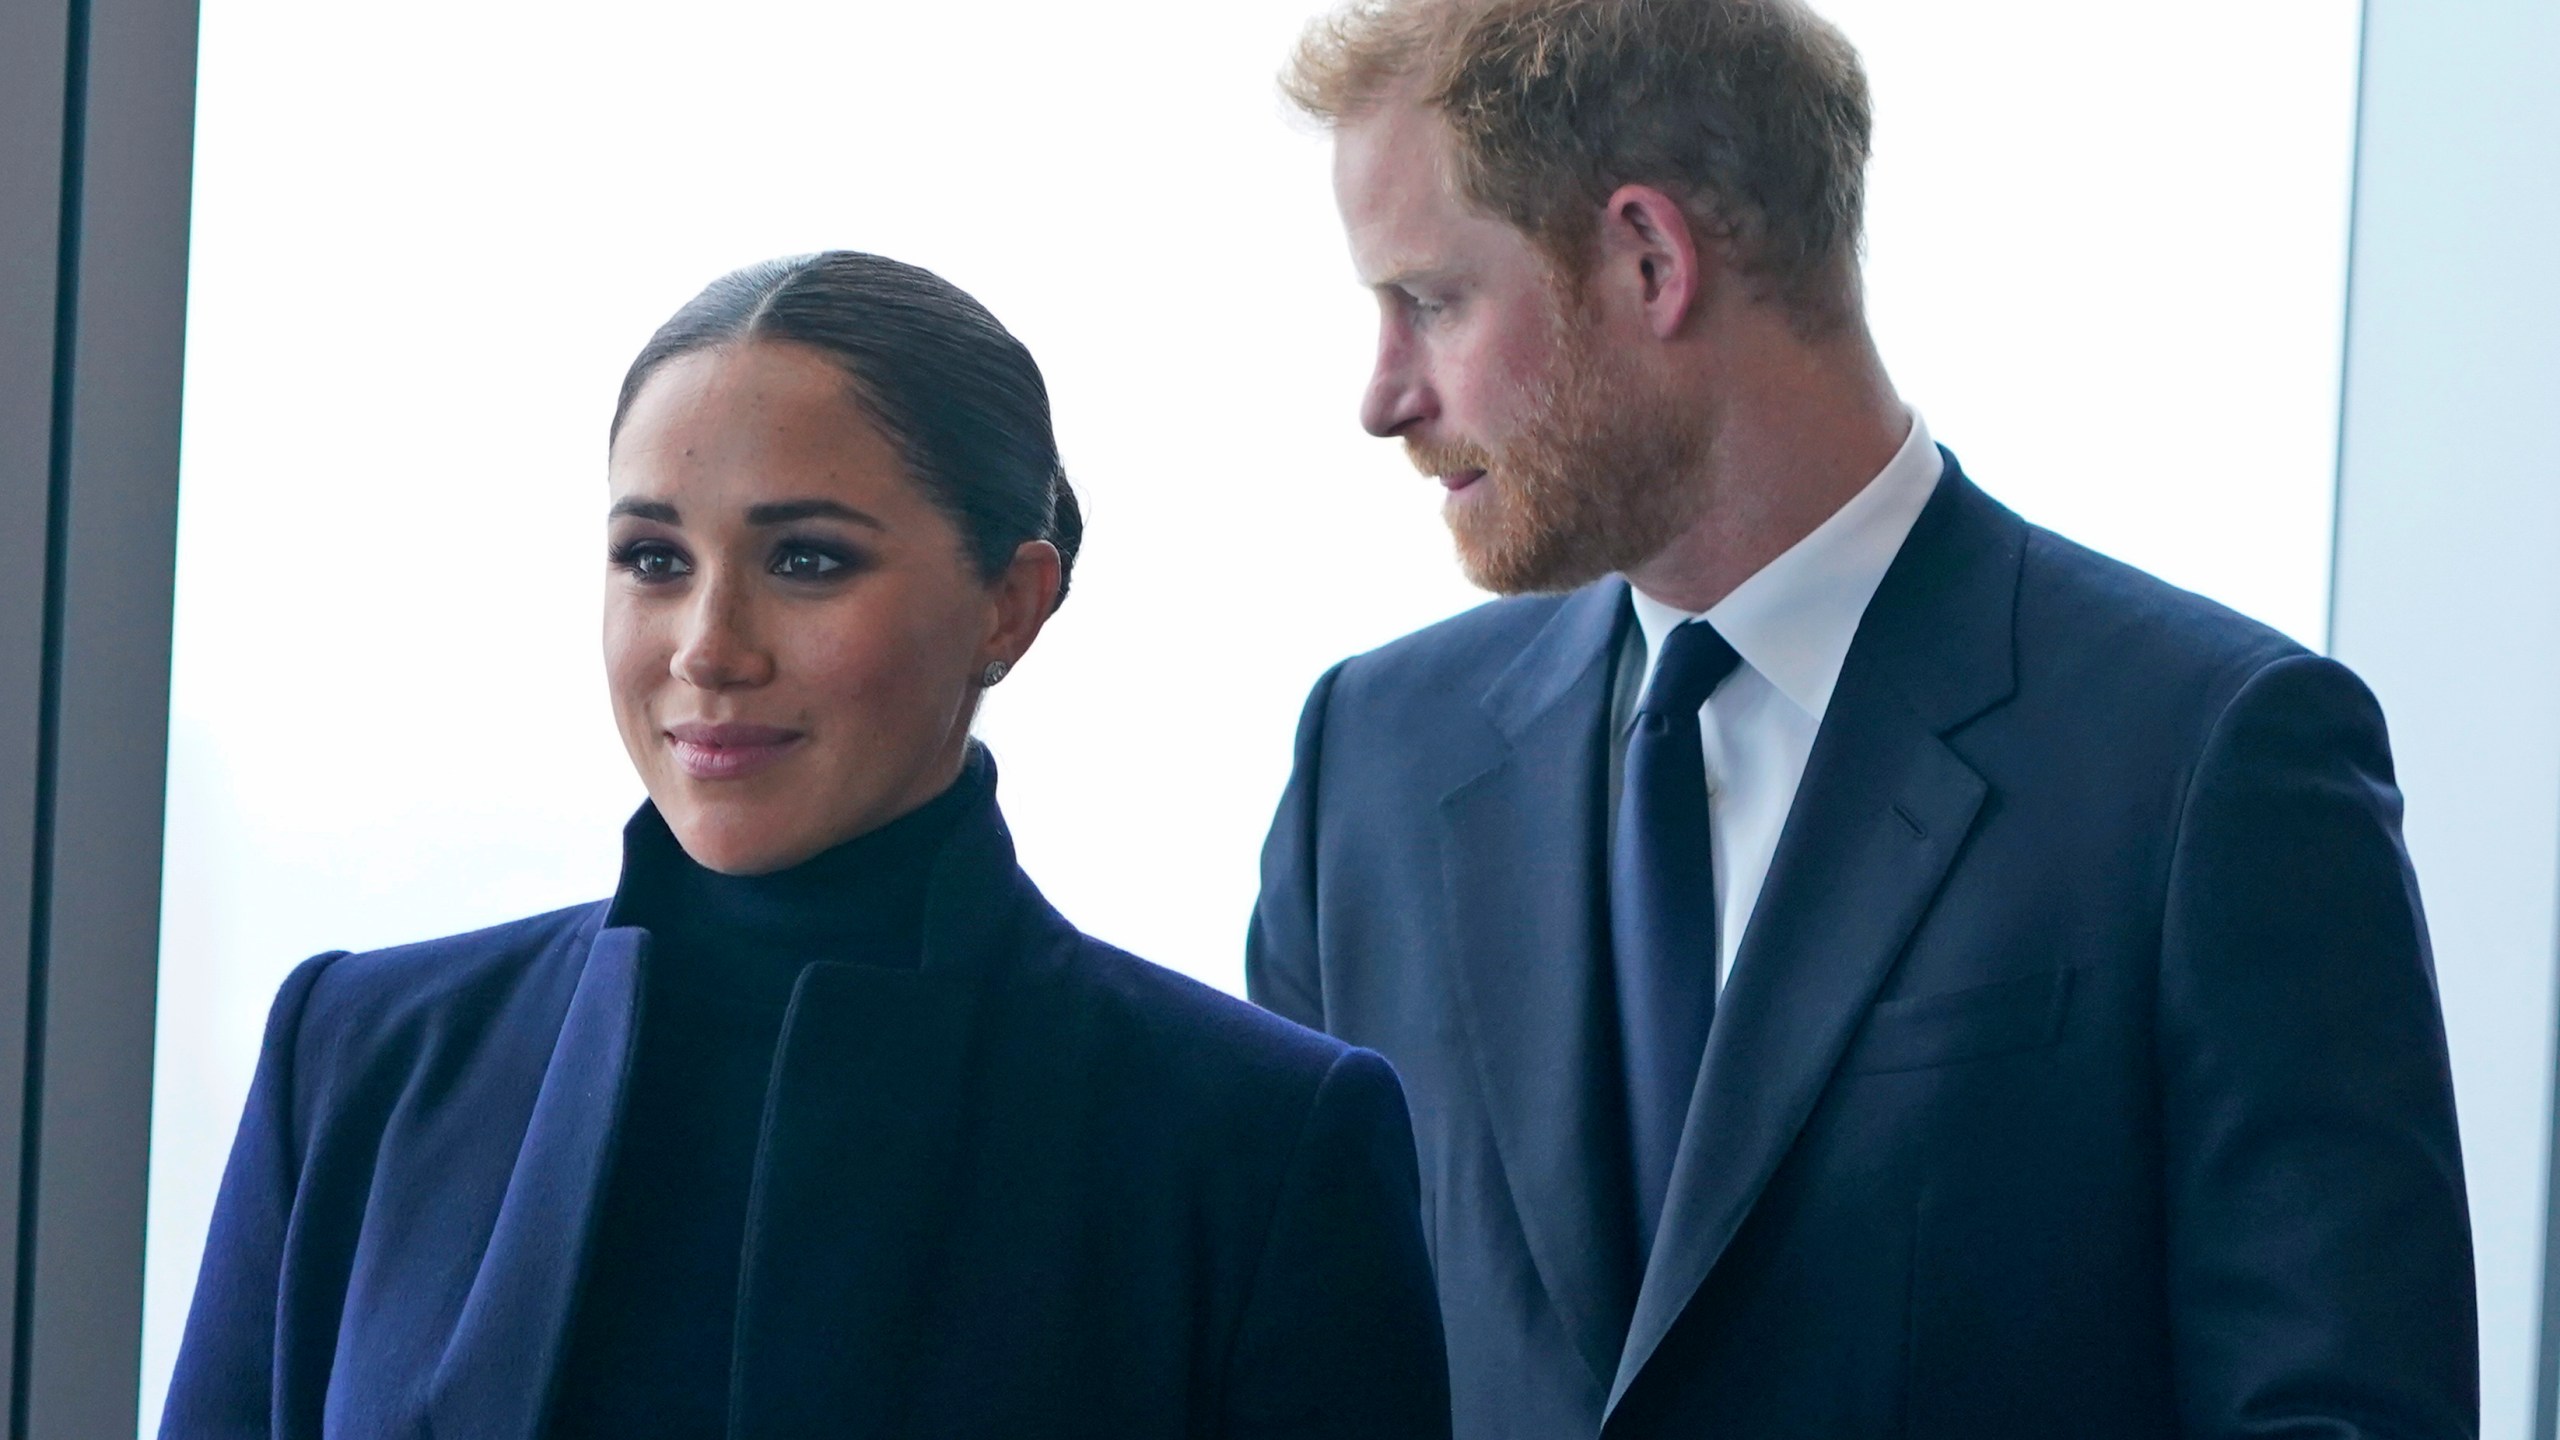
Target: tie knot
[(1694, 662)]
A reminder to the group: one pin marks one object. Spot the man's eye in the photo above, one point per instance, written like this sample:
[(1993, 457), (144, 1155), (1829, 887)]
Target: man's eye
[(805, 562)]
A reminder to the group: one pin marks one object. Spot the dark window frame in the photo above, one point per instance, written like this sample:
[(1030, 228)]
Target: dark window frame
[(97, 115)]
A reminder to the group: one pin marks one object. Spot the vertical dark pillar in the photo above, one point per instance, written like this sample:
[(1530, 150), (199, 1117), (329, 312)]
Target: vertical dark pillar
[(96, 126), (34, 45)]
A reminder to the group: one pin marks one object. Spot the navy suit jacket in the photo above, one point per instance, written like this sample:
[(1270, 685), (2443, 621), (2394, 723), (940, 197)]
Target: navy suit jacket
[(1036, 1187), (2080, 1073)]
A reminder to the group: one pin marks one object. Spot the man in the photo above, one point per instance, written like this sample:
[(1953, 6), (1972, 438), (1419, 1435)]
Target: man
[(1957, 987)]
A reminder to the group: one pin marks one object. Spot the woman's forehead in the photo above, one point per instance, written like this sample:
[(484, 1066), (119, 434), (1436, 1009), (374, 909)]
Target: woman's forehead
[(748, 423)]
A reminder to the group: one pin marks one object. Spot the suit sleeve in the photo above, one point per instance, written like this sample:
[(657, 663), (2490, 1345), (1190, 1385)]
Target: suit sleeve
[(1280, 959), (1340, 1336), (223, 1386), (2320, 1268)]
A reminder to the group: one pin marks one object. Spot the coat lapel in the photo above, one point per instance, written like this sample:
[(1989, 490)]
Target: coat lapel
[(862, 1138), (496, 1376), (866, 1124), (1884, 807), (1523, 841)]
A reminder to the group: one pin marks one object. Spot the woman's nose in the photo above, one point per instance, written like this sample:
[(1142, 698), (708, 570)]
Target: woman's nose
[(720, 649)]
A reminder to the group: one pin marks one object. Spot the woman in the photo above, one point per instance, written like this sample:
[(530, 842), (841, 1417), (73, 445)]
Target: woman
[(825, 1124)]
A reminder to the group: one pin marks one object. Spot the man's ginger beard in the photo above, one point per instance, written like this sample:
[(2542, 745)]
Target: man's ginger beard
[(1601, 474)]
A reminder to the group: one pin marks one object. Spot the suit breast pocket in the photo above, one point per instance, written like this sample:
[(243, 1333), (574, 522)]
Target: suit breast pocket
[(1923, 1032)]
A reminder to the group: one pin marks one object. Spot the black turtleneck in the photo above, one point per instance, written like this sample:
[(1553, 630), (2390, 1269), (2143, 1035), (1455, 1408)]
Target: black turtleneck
[(650, 1350)]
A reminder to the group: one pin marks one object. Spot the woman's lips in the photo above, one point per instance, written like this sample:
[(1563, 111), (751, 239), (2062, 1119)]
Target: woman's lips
[(728, 752)]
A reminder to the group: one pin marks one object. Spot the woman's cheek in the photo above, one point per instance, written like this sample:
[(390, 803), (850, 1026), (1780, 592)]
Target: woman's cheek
[(623, 674), (634, 649), (879, 654)]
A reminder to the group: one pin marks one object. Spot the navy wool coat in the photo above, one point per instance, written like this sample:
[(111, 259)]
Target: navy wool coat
[(1034, 1187)]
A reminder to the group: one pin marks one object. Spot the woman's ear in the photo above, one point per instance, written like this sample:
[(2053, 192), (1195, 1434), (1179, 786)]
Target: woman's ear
[(1024, 595)]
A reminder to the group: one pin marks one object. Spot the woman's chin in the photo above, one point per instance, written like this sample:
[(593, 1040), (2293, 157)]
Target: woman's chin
[(736, 839)]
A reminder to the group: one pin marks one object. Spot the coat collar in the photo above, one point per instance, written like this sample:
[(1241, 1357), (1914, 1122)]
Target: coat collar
[(1578, 644), (973, 850), (1884, 807), (861, 1134)]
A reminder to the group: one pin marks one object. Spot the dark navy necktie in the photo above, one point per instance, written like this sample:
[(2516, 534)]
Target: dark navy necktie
[(1662, 909)]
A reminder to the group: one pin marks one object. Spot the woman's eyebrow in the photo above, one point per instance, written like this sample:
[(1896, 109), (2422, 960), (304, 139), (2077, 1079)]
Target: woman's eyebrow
[(658, 510), (783, 512)]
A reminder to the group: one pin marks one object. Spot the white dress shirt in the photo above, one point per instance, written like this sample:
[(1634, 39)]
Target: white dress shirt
[(1791, 623)]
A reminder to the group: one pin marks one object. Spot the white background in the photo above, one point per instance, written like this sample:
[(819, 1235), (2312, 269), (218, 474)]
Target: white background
[(2107, 259)]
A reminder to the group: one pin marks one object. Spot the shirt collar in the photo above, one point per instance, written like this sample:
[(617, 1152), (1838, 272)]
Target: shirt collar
[(1792, 621)]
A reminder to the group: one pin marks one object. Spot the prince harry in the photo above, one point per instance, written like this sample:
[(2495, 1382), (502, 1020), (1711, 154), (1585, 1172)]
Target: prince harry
[(1861, 965)]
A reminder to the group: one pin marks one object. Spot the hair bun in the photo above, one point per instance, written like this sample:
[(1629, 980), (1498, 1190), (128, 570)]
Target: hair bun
[(1066, 530)]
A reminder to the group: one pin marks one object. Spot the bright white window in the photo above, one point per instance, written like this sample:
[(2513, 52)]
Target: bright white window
[(2107, 250)]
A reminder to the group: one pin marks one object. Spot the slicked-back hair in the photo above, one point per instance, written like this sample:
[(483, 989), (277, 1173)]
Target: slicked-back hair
[(958, 396), (1753, 114)]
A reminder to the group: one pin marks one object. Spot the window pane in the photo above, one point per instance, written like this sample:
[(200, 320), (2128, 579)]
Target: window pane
[(2105, 262)]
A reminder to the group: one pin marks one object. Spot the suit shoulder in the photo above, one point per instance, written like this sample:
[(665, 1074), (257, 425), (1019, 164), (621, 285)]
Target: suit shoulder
[(2082, 611), (378, 990), (1199, 1060), (1193, 1026), (1473, 644)]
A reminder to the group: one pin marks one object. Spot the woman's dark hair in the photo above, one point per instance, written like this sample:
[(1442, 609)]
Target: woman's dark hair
[(949, 385)]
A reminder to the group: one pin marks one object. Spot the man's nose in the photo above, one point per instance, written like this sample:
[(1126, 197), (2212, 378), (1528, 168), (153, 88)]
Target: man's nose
[(1399, 394)]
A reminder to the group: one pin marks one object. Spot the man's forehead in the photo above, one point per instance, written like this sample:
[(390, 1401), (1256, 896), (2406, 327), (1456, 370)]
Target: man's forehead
[(1393, 139), (1391, 181)]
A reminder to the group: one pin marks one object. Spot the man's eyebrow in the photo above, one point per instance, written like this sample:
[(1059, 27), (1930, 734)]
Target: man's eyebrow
[(783, 512), (1404, 273), (658, 510)]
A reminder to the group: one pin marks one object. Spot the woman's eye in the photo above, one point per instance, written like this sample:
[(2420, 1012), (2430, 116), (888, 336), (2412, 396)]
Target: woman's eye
[(648, 562), (805, 562)]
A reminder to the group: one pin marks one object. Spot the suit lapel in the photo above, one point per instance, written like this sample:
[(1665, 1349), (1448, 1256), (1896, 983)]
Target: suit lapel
[(1883, 809), (862, 1138), (1873, 829), (496, 1376), (1522, 846)]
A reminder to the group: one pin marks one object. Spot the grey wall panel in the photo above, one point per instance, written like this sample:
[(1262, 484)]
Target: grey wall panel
[(2448, 574), (118, 554), (34, 37), (105, 347)]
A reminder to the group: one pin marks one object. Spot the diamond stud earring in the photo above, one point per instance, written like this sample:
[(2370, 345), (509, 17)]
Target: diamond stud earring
[(996, 670)]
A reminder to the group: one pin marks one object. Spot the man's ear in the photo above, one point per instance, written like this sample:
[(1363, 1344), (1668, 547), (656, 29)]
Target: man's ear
[(1647, 242)]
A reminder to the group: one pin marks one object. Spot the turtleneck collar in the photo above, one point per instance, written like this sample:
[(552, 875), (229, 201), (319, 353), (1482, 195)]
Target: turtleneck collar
[(745, 938)]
